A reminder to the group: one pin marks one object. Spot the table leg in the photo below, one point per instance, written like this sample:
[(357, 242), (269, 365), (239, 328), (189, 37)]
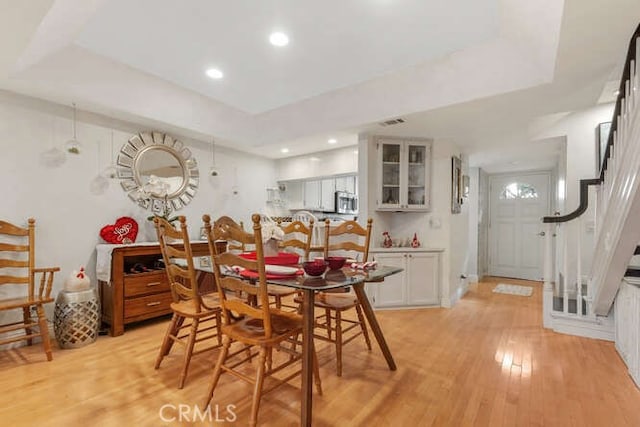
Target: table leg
[(373, 323), (307, 356)]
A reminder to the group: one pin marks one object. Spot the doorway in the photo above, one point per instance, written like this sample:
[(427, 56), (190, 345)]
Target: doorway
[(517, 204)]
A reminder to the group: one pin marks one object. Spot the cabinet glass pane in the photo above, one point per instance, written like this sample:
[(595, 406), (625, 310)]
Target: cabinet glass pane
[(417, 154), (417, 157), (391, 153), (391, 174), (391, 195)]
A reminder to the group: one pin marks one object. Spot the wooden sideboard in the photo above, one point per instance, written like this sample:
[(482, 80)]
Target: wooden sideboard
[(132, 296)]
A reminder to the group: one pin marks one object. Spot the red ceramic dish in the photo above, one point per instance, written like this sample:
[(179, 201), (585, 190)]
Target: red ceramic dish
[(314, 268), (283, 258), (335, 262)]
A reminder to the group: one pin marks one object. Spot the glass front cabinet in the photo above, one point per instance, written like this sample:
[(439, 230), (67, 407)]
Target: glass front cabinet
[(404, 172)]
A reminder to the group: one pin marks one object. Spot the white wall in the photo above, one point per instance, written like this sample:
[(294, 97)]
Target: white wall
[(474, 203), (68, 217), (579, 130), (333, 162)]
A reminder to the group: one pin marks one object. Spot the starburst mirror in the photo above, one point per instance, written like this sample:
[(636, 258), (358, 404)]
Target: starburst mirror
[(158, 172)]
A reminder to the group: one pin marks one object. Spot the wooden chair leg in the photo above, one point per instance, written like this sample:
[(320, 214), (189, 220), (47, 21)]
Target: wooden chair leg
[(269, 358), (26, 317), (339, 342), (257, 389), (219, 327), (217, 371), (327, 314), (363, 326), (44, 331), (164, 348), (316, 370), (278, 302), (175, 332), (188, 351)]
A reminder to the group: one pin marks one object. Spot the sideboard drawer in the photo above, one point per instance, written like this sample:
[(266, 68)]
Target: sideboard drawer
[(147, 306), (145, 283)]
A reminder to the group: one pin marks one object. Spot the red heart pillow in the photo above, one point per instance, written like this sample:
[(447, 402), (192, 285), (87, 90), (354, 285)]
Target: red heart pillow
[(125, 230)]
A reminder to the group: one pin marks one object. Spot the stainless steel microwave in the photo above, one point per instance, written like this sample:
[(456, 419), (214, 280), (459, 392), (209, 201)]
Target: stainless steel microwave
[(346, 203)]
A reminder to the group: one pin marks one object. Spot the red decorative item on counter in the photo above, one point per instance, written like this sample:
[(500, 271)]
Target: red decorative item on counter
[(387, 243), (125, 230), (415, 243)]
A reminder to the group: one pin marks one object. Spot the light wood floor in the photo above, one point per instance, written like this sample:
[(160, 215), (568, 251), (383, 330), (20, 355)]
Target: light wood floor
[(485, 362)]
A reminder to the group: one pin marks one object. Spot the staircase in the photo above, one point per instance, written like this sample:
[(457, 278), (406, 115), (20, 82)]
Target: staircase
[(579, 300)]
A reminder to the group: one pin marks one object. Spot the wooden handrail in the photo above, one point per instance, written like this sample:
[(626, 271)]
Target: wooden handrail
[(582, 206), (631, 52)]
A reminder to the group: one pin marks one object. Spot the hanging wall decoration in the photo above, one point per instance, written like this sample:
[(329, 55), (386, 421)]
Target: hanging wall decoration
[(73, 146), (158, 172), (456, 185)]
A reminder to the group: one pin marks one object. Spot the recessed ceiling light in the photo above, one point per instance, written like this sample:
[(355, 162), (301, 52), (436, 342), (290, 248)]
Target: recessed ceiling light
[(284, 150), (279, 39), (314, 159), (214, 73), (332, 141)]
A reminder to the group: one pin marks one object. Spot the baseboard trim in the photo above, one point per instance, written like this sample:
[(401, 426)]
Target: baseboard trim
[(583, 328)]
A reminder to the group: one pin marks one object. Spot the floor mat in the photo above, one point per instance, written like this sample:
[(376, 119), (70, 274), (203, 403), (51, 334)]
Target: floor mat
[(505, 288)]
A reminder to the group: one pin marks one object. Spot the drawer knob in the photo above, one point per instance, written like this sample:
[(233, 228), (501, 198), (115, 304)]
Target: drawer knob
[(152, 284), (152, 304)]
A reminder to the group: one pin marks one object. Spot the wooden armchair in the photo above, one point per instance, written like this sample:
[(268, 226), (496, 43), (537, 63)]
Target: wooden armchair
[(261, 328), (17, 267), (353, 238), (202, 311)]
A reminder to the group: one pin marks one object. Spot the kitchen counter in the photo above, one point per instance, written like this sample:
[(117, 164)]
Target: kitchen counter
[(404, 249)]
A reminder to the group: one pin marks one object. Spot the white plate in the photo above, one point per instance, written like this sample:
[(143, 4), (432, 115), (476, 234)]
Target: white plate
[(280, 269)]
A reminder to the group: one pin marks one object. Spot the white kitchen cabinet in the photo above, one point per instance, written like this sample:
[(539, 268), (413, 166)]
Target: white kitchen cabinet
[(346, 183), (404, 174), (417, 285), (328, 195), (319, 195), (312, 192)]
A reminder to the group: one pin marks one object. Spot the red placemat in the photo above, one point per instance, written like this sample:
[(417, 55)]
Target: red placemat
[(283, 258), (250, 274)]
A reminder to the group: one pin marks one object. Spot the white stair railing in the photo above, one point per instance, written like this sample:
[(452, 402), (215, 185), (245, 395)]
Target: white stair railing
[(617, 219)]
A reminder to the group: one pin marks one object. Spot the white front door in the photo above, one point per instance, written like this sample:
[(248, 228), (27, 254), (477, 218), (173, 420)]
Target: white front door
[(517, 204)]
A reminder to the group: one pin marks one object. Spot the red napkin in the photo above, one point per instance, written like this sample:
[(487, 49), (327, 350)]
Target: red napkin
[(283, 258)]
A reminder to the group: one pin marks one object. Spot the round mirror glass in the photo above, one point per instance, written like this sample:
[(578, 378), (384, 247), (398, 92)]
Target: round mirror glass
[(160, 169)]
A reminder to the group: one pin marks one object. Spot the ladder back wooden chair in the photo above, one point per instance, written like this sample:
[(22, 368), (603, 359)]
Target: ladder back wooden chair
[(17, 268), (203, 312), (261, 328), (352, 237), (297, 238)]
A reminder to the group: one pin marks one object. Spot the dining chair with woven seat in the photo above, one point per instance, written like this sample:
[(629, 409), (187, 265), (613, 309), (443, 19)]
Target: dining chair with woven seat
[(17, 268), (351, 237), (262, 328), (203, 311)]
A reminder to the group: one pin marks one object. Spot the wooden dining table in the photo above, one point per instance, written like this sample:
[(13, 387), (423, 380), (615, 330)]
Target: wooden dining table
[(332, 279)]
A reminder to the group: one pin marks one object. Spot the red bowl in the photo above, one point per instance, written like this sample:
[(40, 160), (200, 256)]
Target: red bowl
[(335, 262), (314, 268)]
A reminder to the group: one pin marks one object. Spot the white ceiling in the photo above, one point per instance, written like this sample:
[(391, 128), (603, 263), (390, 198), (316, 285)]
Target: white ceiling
[(475, 72)]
